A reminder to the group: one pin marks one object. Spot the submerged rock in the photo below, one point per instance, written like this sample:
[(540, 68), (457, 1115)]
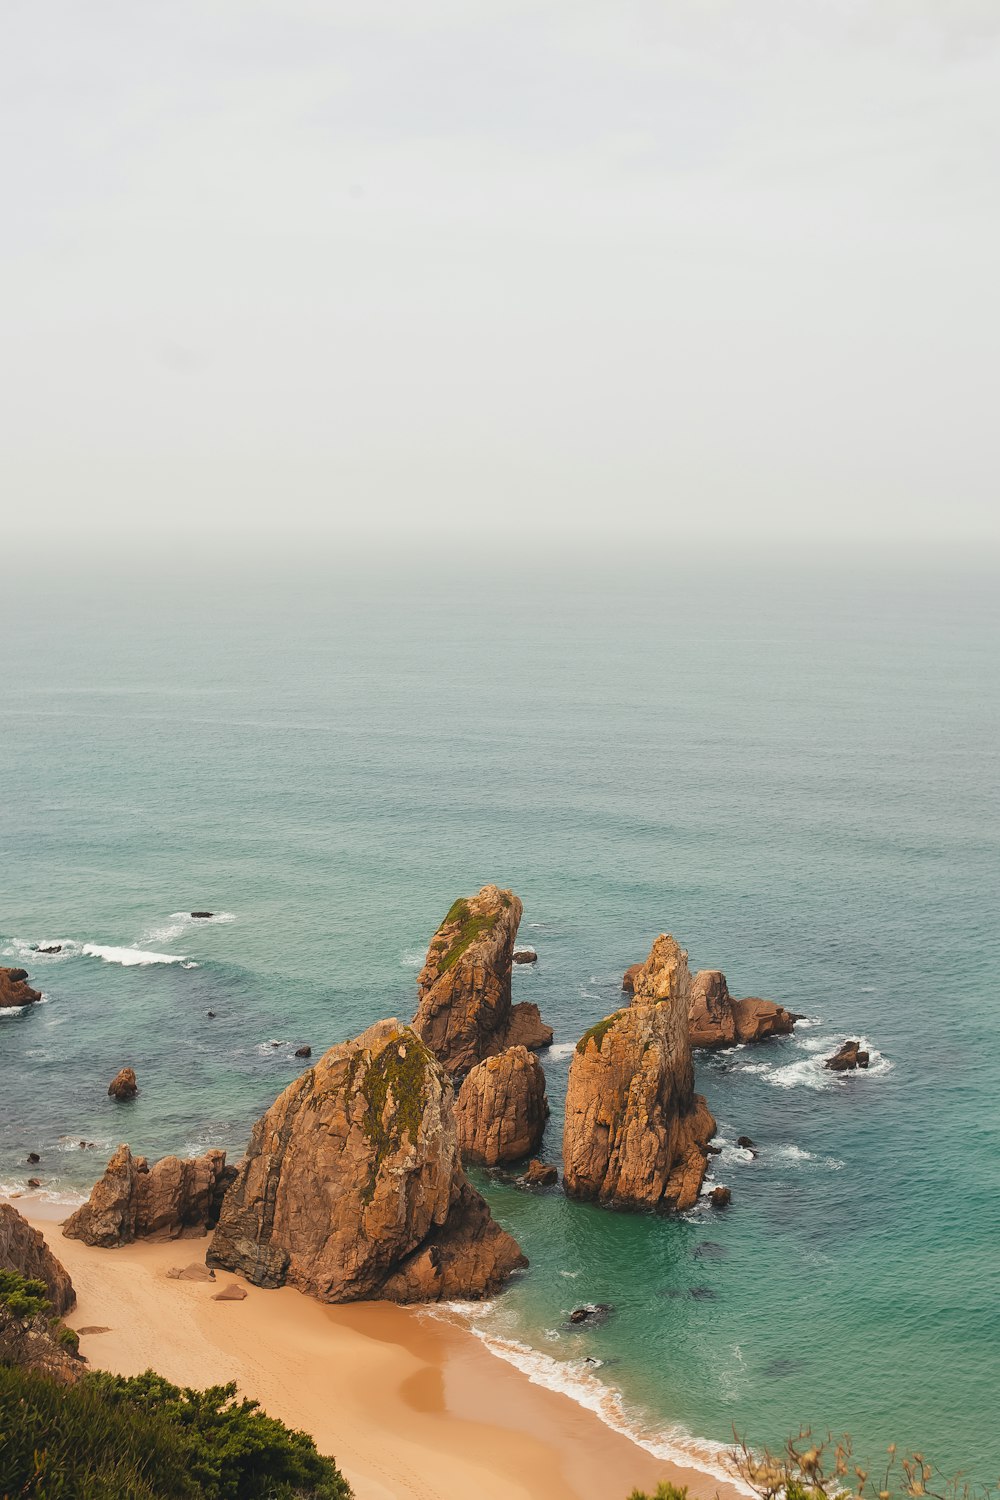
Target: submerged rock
[(352, 1186), (851, 1055), (501, 1109), (175, 1197), (23, 1249), (636, 1132), (14, 991), (123, 1085), (464, 1010)]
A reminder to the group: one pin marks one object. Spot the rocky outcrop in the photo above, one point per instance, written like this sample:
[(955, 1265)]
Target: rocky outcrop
[(628, 978), (41, 1345), (14, 991), (464, 1010), (539, 1174), (179, 1196), (123, 1085), (24, 1250), (850, 1056), (501, 1109), (721, 1197), (352, 1186), (525, 956), (636, 1131), (717, 1020)]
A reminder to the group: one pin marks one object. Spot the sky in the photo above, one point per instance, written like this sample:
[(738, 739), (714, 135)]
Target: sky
[(501, 276)]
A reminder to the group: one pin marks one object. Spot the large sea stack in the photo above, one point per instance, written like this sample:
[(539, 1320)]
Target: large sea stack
[(636, 1131), (352, 1186), (501, 1109), (464, 1010)]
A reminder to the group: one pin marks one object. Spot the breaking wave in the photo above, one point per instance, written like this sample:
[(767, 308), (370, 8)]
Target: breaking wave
[(130, 957)]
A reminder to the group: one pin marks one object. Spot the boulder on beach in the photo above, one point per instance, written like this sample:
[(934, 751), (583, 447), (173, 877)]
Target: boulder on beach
[(850, 1056), (501, 1108), (196, 1270), (636, 1132), (15, 991), (372, 1122), (464, 1011), (176, 1197), (231, 1292), (23, 1249), (123, 1085)]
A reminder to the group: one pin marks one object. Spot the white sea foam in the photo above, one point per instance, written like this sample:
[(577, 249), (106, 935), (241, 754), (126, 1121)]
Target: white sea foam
[(130, 957), (25, 1198), (28, 951), (811, 1071), (180, 922), (561, 1049), (575, 1378), (410, 958), (806, 1021)]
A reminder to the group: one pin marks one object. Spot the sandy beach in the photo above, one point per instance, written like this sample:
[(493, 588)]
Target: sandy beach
[(410, 1406)]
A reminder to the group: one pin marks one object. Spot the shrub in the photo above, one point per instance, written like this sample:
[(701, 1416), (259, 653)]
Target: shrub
[(22, 1297)]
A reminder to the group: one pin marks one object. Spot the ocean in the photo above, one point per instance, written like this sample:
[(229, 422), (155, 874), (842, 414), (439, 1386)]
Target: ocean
[(790, 767)]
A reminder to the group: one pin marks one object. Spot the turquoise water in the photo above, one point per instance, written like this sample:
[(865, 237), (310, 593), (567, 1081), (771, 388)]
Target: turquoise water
[(793, 773)]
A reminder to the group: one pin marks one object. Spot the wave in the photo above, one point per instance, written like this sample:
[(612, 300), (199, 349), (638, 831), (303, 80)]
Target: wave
[(24, 1197), (29, 951), (180, 922), (130, 957), (560, 1050), (811, 1071), (575, 1378)]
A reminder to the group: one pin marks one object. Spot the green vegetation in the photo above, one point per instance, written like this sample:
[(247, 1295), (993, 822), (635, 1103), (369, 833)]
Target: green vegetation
[(145, 1439), (596, 1034), (400, 1069), (469, 928), (664, 1491), (23, 1298)]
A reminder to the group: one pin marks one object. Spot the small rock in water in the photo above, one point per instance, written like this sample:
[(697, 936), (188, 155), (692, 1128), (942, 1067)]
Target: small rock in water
[(539, 1174), (851, 1055), (714, 1150), (48, 948), (123, 1085), (34, 1182), (211, 1015), (592, 1313), (721, 1197), (524, 956), (33, 1158), (746, 1143), (703, 1294), (203, 914), (303, 1052)]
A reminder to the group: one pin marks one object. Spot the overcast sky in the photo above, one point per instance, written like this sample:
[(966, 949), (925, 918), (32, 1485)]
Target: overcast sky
[(691, 269)]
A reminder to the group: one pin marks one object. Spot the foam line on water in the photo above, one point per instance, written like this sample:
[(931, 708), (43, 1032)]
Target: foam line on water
[(130, 957)]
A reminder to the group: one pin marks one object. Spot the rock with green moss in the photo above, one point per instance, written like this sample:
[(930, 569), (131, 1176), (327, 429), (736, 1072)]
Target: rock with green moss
[(464, 1010), (352, 1186)]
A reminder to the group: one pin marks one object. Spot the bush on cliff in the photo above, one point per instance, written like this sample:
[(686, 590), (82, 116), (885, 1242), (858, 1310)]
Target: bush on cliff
[(145, 1439)]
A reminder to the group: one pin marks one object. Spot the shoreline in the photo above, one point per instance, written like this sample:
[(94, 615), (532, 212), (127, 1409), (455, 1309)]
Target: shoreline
[(411, 1406)]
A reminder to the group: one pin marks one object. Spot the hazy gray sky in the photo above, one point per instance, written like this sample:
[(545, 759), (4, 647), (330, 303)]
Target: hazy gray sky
[(672, 270)]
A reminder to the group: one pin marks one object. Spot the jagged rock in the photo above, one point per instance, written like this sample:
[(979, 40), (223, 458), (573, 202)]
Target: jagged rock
[(539, 1174), (14, 992), (33, 1344), (231, 1292), (635, 1131), (501, 1108), (123, 1085), (851, 1055), (525, 956), (721, 1197), (352, 1186), (746, 1143), (23, 1249), (628, 978), (177, 1196), (48, 947), (717, 1020), (303, 1052), (464, 1010)]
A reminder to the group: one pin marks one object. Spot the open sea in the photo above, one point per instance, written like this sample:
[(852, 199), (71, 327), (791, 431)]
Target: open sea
[(792, 770)]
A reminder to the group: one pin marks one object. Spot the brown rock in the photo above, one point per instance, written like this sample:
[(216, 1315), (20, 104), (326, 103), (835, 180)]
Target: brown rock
[(851, 1055), (525, 956), (352, 1186), (175, 1197), (34, 1182), (14, 991), (195, 1271), (628, 978), (636, 1131), (303, 1052), (539, 1174), (721, 1197), (464, 1010), (717, 1020), (501, 1109), (231, 1292), (24, 1250), (123, 1085)]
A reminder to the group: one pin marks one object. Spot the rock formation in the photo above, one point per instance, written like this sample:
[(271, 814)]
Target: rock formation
[(721, 1197), (501, 1108), (352, 1185), (14, 991), (34, 1343), (24, 1250), (123, 1085), (635, 1131), (539, 1174), (525, 956), (851, 1055), (178, 1196), (464, 1010), (628, 978), (717, 1020)]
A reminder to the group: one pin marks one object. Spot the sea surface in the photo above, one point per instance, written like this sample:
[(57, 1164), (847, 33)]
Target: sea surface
[(793, 770)]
